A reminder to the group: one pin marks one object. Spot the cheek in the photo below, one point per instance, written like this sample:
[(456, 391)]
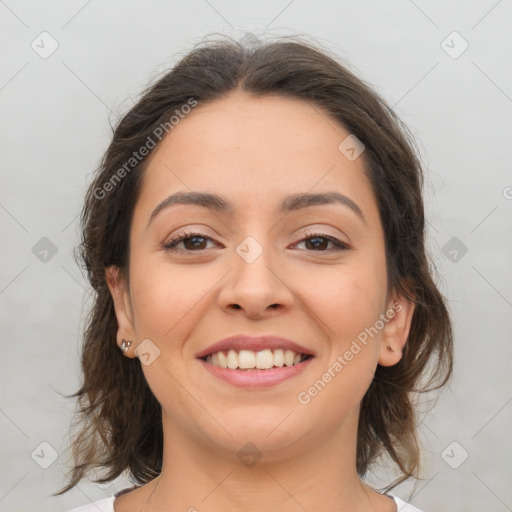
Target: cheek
[(167, 298), (168, 303), (347, 306), (346, 299)]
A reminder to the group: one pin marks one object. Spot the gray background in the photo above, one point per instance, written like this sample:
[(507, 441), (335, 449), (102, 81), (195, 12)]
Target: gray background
[(55, 118)]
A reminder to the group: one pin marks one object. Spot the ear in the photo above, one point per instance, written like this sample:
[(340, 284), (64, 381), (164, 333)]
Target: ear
[(396, 330), (118, 287)]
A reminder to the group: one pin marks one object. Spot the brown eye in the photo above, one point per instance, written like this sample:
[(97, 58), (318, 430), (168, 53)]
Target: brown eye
[(319, 241), (192, 242)]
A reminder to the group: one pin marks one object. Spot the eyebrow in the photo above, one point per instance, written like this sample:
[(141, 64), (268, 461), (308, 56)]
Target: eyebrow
[(288, 204)]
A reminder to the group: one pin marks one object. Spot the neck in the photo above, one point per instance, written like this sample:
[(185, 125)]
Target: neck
[(196, 477)]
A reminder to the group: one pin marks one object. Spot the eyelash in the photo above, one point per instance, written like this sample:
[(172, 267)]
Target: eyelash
[(170, 246)]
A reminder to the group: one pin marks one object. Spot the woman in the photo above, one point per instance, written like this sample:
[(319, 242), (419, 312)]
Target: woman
[(255, 238)]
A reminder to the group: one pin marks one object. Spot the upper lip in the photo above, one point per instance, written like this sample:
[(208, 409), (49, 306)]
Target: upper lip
[(254, 343)]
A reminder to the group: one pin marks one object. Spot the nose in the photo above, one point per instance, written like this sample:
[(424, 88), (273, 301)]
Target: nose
[(254, 286)]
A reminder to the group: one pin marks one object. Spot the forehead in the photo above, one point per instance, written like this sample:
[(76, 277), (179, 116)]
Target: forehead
[(255, 150)]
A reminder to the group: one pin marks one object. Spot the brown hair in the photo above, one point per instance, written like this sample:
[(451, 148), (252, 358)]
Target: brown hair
[(119, 417)]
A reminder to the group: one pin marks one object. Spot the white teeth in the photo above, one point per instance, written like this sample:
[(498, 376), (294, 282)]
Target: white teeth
[(247, 359), (265, 359), (279, 357), (223, 360), (232, 359), (288, 357)]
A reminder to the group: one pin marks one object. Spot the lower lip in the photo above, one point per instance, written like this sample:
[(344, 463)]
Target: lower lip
[(256, 378)]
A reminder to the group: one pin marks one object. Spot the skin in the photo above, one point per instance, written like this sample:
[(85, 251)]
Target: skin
[(254, 151)]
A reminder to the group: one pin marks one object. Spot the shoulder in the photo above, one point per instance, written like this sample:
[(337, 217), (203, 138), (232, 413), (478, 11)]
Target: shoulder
[(104, 505), (403, 506), (107, 505)]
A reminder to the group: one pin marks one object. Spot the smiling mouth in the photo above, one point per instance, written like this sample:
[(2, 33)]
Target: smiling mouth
[(248, 360)]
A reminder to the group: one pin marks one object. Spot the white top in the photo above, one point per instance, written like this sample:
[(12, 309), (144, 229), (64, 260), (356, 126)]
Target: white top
[(107, 505)]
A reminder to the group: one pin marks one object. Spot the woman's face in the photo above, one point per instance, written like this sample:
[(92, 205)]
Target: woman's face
[(313, 273)]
